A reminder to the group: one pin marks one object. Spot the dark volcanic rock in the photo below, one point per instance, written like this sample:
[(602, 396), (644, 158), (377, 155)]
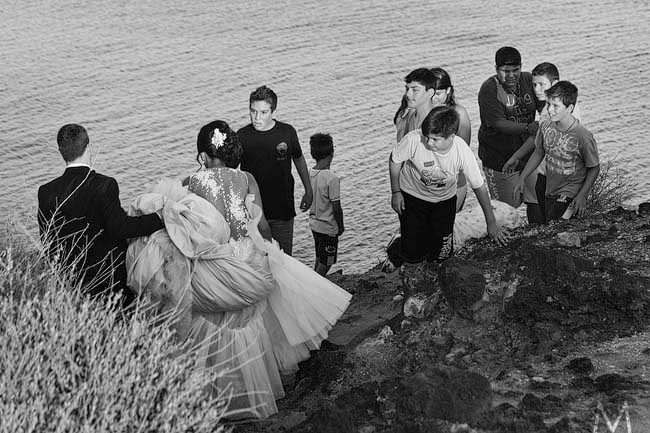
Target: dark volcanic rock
[(644, 209), (461, 282), (532, 403), (507, 418), (611, 382), (539, 299), (584, 382), (449, 394), (328, 418), (319, 370), (371, 308), (567, 289), (369, 400), (544, 385), (580, 366), (562, 426), (625, 213)]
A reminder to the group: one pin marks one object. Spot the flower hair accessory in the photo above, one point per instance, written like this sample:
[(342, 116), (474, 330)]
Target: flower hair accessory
[(218, 138)]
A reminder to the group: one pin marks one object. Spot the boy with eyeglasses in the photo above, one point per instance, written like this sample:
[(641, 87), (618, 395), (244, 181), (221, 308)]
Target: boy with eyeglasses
[(507, 108)]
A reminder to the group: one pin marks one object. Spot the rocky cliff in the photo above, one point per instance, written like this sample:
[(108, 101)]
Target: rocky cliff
[(549, 334)]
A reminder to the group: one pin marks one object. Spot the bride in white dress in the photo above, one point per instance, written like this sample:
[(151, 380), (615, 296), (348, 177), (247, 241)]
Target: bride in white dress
[(253, 311)]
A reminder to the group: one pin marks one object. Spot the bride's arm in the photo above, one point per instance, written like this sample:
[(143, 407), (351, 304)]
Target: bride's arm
[(263, 225)]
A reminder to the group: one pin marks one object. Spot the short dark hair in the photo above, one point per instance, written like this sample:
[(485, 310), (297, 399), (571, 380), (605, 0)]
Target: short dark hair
[(566, 91), (423, 76), (229, 151), (264, 93), (549, 70), (72, 140), (507, 56), (443, 81), (321, 146), (442, 120)]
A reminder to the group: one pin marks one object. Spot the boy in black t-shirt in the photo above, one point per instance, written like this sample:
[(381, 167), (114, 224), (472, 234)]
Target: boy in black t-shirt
[(269, 147)]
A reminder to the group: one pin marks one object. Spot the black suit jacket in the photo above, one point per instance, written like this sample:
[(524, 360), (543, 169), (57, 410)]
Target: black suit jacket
[(82, 223)]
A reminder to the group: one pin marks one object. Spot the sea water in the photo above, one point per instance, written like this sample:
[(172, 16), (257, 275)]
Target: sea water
[(144, 76)]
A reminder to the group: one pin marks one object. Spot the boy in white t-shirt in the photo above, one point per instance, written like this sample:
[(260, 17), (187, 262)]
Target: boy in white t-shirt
[(424, 168), (325, 213)]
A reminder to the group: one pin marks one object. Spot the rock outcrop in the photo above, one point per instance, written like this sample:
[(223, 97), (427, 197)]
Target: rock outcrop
[(549, 334)]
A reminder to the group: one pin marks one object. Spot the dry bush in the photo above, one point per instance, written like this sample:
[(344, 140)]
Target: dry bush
[(611, 189), (70, 364)]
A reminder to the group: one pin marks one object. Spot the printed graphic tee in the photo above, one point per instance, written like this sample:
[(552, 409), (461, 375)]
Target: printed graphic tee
[(568, 155), (430, 175)]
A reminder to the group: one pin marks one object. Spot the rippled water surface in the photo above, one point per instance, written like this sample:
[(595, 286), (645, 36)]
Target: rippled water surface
[(144, 76)]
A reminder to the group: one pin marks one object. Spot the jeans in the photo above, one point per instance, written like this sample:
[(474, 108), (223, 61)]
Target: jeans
[(282, 231)]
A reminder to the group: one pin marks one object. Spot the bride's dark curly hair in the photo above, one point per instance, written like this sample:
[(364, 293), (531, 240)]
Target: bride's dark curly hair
[(229, 152)]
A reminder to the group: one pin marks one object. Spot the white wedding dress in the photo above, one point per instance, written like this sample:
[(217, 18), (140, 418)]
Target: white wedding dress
[(253, 310)]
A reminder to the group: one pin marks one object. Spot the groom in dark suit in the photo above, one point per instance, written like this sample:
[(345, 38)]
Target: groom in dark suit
[(82, 223)]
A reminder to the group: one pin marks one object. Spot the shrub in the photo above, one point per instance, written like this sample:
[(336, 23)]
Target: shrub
[(611, 189), (72, 364)]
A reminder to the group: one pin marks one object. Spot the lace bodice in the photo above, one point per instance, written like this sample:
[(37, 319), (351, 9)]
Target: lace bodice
[(226, 188)]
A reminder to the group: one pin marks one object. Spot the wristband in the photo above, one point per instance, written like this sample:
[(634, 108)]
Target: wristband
[(395, 192)]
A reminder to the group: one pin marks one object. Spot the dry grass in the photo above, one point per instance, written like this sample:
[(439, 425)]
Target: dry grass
[(611, 189), (71, 364)]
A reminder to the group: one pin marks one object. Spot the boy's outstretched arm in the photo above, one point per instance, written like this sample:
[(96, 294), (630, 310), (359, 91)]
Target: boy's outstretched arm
[(396, 197), (494, 230), (526, 149), (308, 197), (531, 165), (338, 215), (579, 202)]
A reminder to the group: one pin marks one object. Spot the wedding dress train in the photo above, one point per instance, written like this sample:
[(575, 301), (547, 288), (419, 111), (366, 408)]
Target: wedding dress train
[(253, 310)]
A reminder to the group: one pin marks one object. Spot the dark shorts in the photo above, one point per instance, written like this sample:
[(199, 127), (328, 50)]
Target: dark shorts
[(427, 229), (326, 248), (556, 205), (540, 191)]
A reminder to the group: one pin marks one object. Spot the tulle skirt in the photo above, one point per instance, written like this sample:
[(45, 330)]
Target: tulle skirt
[(251, 311)]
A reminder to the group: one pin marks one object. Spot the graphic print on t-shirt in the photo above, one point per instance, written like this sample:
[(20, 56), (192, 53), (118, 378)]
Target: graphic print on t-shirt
[(514, 103), (562, 151), (281, 151), (432, 175), (517, 112)]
